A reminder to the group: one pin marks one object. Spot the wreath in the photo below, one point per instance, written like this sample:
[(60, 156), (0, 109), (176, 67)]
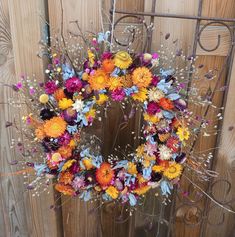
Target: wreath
[(71, 100)]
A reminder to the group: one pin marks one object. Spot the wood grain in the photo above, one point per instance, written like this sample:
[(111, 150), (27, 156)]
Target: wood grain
[(79, 219), (24, 215)]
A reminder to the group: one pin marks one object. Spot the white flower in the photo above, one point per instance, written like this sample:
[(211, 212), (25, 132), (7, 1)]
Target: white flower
[(155, 62), (78, 105), (155, 94), (164, 152)]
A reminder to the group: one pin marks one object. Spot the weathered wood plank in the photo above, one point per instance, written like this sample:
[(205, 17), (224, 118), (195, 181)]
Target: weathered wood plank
[(13, 219), (26, 32), (209, 40), (79, 218)]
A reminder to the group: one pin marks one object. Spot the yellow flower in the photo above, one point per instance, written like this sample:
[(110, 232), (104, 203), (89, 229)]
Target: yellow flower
[(99, 80), (151, 118), (122, 60), (158, 168), (91, 114), (72, 143), (141, 179), (65, 103), (142, 190), (85, 76), (131, 169), (102, 99), (114, 83), (141, 95), (43, 98), (56, 157), (87, 163), (67, 164), (112, 192), (55, 127), (141, 77), (126, 80), (173, 171), (91, 57), (183, 133), (140, 150)]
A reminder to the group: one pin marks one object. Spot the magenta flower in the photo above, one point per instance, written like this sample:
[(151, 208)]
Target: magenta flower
[(118, 94), (153, 108), (155, 80), (50, 87), (64, 139), (73, 84), (19, 85), (106, 55), (155, 55)]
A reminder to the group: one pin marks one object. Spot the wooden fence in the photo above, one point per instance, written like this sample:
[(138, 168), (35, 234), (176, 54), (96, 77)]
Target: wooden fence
[(22, 26)]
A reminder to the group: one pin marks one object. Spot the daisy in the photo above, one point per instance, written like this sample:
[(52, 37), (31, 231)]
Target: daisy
[(164, 152), (78, 105), (155, 94)]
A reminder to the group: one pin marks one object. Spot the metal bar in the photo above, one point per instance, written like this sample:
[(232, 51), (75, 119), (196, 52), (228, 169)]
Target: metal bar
[(167, 15)]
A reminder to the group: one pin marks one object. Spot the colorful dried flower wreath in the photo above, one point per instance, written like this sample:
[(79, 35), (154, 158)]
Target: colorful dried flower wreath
[(70, 101)]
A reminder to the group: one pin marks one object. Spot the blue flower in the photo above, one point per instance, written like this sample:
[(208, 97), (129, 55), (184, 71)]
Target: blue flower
[(166, 73), (96, 161), (173, 96), (40, 168), (132, 199), (115, 72), (121, 164), (86, 196), (129, 179), (81, 118), (147, 172), (168, 114), (166, 188), (164, 86), (85, 152), (72, 129), (103, 37), (68, 72), (131, 90)]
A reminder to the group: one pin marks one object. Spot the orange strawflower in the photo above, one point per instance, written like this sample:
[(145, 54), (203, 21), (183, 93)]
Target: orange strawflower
[(66, 177), (142, 190), (141, 77), (98, 80), (55, 127), (114, 83), (65, 151), (166, 104), (65, 189), (59, 94), (104, 174), (126, 80), (39, 133), (108, 65)]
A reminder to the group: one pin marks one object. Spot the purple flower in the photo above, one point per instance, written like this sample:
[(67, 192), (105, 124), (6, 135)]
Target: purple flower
[(64, 139), (153, 108), (32, 91), (50, 87), (73, 84), (118, 94), (78, 182)]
